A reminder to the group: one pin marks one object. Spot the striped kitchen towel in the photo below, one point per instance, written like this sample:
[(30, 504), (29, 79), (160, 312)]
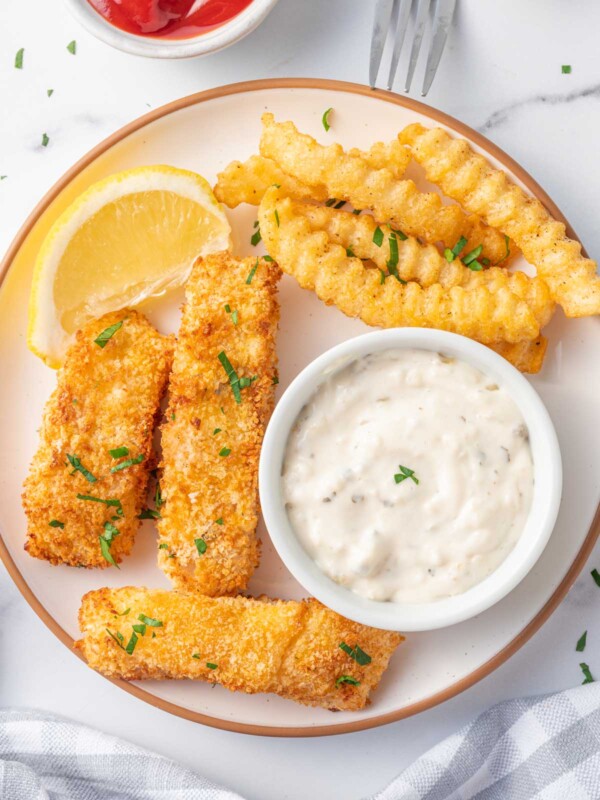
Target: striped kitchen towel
[(547, 748)]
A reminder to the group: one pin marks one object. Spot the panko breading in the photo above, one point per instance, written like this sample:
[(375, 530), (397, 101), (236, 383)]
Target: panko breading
[(319, 264), (247, 182), (399, 202), (107, 398), (213, 427), (288, 648), (421, 263), (467, 177)]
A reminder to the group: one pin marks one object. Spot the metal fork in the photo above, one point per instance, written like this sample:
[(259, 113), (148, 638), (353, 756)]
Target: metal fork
[(391, 19)]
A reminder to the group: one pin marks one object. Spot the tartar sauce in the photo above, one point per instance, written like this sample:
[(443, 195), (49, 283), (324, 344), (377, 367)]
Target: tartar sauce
[(408, 476)]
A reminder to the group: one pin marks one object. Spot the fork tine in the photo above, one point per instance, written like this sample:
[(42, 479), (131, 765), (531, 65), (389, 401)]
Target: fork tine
[(420, 21), (401, 26), (381, 24), (444, 11)]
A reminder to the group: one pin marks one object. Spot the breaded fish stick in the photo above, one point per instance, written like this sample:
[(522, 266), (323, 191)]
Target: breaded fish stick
[(87, 482), (299, 650), (353, 178), (472, 181), (340, 278), (221, 393)]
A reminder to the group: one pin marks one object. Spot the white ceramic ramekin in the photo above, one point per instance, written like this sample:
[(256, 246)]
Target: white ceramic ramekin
[(217, 39), (423, 616)]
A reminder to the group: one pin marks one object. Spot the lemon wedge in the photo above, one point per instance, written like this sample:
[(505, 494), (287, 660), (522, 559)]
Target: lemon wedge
[(132, 236)]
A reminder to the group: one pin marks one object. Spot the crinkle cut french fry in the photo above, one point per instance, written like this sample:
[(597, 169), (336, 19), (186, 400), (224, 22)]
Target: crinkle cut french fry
[(107, 398), (211, 435), (526, 356), (343, 280), (421, 263), (467, 177), (288, 648), (352, 178)]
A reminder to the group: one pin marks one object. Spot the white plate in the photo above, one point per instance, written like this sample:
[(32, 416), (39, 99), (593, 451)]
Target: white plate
[(204, 133)]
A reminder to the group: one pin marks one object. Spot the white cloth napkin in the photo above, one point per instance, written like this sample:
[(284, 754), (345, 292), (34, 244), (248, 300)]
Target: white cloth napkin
[(547, 748)]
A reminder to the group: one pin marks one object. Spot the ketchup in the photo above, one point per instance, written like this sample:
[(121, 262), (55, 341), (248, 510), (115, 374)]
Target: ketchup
[(168, 19)]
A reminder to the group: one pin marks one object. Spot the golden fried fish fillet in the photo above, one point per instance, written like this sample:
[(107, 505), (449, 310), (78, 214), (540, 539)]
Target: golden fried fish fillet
[(467, 177), (299, 650), (81, 501), (399, 202), (363, 237), (221, 393), (247, 182), (342, 279)]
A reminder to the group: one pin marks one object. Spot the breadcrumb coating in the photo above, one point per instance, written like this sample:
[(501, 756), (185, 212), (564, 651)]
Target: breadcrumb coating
[(250, 645), (106, 398), (210, 442)]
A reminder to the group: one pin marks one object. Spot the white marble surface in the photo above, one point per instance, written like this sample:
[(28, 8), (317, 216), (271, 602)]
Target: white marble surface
[(501, 73)]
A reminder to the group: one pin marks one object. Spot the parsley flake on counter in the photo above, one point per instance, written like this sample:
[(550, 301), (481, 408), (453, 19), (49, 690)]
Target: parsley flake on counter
[(107, 334), (378, 236), (78, 467), (72, 47), (152, 623), (596, 576), (54, 523), (356, 653), (19, 58), (210, 665), (200, 546), (45, 140), (347, 679), (325, 119), (405, 473), (49, 92), (566, 69), (589, 678), (252, 272), (256, 237), (581, 642), (129, 462), (119, 452)]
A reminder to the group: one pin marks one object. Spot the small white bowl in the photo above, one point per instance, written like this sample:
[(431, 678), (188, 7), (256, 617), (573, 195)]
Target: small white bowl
[(441, 613), (156, 47)]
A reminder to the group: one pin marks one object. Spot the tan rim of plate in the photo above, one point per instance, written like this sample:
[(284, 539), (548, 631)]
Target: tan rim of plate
[(581, 557)]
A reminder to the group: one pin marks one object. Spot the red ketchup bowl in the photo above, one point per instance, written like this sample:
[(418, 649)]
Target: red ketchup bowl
[(170, 28)]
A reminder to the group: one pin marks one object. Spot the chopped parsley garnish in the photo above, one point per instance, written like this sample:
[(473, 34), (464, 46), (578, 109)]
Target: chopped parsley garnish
[(378, 236), (400, 234), (141, 629), (149, 513), (130, 646), (129, 462), (596, 576), (356, 653), (581, 642), (340, 204), (256, 237), (78, 467), (393, 259), (124, 613), (382, 276), (118, 637), (200, 546), (252, 272), (163, 546), (152, 623), (110, 502), (195, 655), (566, 69), (453, 253), (234, 316), (45, 139), (119, 452), (275, 380), (107, 334), (54, 523), (158, 498), (49, 92), (106, 539), (224, 451), (72, 47), (219, 521), (350, 252), (331, 202), (237, 383), (19, 58), (245, 382), (357, 211), (589, 678), (347, 679), (325, 118), (472, 256), (267, 258), (405, 473), (210, 665), (507, 245), (217, 430), (276, 217)]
